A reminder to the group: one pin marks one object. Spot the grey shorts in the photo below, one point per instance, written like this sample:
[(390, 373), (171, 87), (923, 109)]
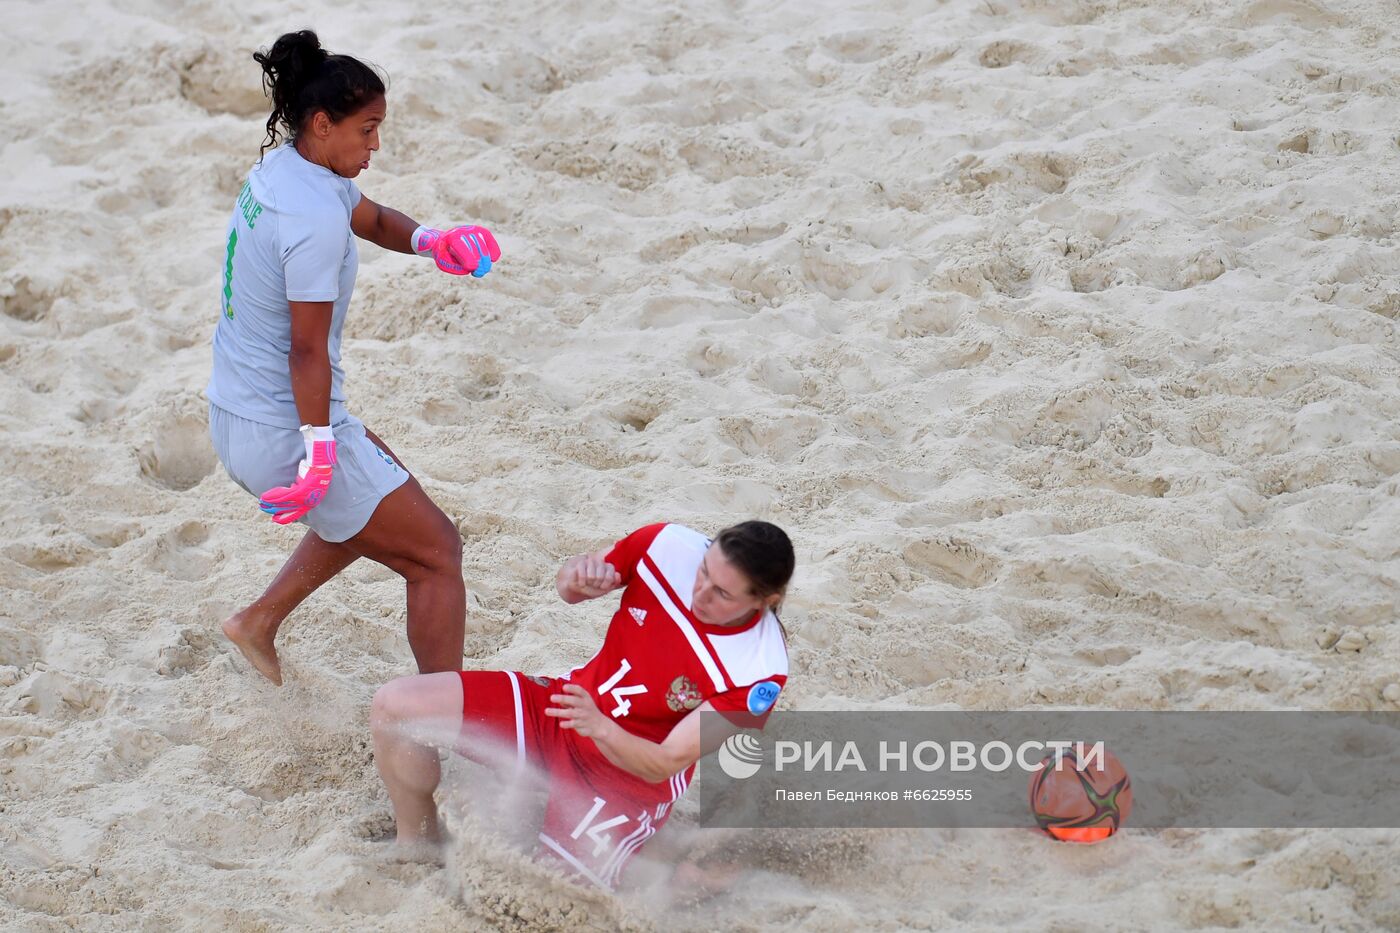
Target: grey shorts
[(260, 456)]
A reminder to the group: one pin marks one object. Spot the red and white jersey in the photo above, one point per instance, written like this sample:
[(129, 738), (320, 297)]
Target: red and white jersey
[(658, 661)]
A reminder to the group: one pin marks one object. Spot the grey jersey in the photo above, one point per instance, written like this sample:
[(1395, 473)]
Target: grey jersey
[(288, 239)]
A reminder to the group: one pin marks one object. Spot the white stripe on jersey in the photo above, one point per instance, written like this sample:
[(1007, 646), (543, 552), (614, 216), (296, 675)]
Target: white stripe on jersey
[(754, 654), (677, 551), (519, 722), (688, 630)]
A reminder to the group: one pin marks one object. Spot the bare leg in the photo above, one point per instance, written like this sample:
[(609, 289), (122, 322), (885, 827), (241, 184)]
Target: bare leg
[(411, 536), (408, 534), (411, 718), (253, 629)]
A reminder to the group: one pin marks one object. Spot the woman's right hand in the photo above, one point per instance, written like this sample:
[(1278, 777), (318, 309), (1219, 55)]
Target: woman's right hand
[(286, 504), (589, 576)]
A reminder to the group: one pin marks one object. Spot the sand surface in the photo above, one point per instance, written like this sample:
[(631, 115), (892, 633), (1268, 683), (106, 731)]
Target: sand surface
[(1061, 334)]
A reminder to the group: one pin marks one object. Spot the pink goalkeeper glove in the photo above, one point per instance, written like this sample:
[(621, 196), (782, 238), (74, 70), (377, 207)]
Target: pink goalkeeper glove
[(286, 504), (459, 250)]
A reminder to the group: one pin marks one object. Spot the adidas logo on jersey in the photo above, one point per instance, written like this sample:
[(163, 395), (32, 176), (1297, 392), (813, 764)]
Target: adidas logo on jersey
[(640, 615)]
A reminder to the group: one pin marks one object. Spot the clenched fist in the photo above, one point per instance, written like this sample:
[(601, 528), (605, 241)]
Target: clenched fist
[(587, 576)]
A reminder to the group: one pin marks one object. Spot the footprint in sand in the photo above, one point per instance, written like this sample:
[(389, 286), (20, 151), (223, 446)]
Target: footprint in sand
[(861, 46), (677, 245), (662, 311), (57, 695), (717, 159), (191, 650), (636, 416), (778, 375), (180, 454), (930, 317), (1005, 52), (1107, 656), (1303, 12), (952, 560), (775, 437), (178, 553), (215, 79), (52, 554), (24, 300), (1316, 141), (112, 383), (18, 648)]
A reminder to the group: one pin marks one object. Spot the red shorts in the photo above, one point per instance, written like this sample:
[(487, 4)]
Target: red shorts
[(598, 816)]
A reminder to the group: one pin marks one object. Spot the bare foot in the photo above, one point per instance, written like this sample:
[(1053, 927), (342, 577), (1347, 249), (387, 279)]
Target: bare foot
[(428, 846), (434, 834), (254, 638), (421, 851)]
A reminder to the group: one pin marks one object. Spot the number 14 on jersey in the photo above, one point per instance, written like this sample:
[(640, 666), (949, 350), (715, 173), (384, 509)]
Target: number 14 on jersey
[(621, 693)]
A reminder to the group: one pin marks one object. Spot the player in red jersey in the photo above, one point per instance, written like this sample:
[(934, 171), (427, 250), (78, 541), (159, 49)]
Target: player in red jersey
[(618, 737)]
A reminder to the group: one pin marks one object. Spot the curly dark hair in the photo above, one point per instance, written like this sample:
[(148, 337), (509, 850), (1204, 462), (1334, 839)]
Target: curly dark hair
[(301, 78)]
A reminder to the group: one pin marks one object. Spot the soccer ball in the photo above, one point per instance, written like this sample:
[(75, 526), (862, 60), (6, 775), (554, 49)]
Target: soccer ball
[(1081, 800)]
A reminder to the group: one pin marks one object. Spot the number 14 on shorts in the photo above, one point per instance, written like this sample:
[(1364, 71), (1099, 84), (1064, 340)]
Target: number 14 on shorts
[(619, 693), (597, 832)]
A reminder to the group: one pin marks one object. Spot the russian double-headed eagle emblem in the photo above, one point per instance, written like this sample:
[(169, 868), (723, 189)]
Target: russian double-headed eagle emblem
[(683, 694)]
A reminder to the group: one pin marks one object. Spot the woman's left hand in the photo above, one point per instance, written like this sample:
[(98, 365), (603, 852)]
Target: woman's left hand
[(460, 251), (577, 711)]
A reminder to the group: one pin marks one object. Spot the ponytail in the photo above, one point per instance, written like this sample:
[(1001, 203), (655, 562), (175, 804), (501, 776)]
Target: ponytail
[(301, 78)]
